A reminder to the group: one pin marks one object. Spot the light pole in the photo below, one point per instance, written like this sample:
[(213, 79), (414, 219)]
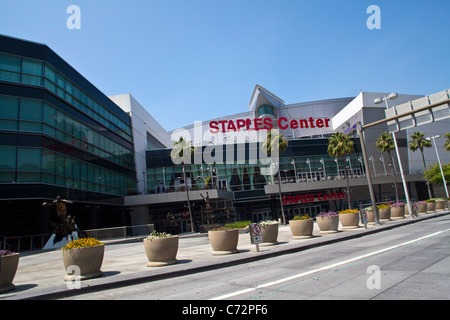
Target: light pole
[(384, 165), (350, 163), (310, 171), (369, 178), (322, 161), (295, 170), (362, 166), (338, 171), (439, 161), (405, 186), (373, 166)]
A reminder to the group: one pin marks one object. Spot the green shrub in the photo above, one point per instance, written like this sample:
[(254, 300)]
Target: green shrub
[(237, 224), (159, 235)]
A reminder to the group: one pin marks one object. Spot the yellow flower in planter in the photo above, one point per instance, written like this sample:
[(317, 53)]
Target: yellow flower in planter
[(349, 211), (81, 243)]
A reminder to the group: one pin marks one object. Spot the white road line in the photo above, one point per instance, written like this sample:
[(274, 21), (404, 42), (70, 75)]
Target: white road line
[(268, 284)]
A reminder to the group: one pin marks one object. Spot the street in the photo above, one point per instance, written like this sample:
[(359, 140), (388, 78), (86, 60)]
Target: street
[(409, 262)]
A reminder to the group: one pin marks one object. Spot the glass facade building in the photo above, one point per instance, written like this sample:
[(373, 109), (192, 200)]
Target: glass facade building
[(59, 136), (305, 161)]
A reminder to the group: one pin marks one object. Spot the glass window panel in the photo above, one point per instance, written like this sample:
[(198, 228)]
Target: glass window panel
[(9, 63), (91, 174), (49, 130), (69, 87), (50, 115), (28, 159), (84, 171), (60, 164), (50, 86), (7, 176), (32, 67), (30, 126), (9, 76), (30, 110), (8, 124), (60, 135), (33, 80), (28, 176), (60, 93), (48, 178), (9, 107), (76, 165), (59, 180), (8, 158), (50, 73), (61, 121), (68, 167), (69, 125), (48, 161)]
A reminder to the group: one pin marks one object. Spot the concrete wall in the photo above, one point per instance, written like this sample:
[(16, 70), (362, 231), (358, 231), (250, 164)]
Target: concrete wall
[(142, 123)]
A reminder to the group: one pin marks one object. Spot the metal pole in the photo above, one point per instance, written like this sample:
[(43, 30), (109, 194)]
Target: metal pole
[(405, 186), (440, 166), (369, 178)]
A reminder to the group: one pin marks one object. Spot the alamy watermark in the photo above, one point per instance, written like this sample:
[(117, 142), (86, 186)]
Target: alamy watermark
[(73, 281), (374, 21), (224, 153), (374, 280), (74, 20)]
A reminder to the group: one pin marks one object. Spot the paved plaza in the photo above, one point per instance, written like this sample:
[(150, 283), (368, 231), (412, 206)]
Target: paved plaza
[(40, 274)]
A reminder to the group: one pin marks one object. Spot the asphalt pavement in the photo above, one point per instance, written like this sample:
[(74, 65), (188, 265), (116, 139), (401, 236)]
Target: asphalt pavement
[(40, 274)]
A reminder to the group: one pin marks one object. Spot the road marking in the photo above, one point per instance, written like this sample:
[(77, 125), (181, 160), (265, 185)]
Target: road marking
[(296, 276)]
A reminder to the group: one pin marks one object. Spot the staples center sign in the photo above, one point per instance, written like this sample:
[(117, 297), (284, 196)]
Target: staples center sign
[(313, 197), (267, 124)]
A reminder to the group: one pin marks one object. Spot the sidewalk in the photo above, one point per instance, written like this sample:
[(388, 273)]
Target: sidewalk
[(40, 275)]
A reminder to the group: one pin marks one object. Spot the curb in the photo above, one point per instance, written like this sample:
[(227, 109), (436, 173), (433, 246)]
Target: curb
[(139, 278)]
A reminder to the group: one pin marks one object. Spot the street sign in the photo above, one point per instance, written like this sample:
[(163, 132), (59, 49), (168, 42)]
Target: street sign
[(255, 232)]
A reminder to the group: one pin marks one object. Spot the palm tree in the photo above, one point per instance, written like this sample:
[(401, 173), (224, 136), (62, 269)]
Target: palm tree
[(182, 151), (419, 142), (275, 139), (339, 144), (385, 143), (447, 143)]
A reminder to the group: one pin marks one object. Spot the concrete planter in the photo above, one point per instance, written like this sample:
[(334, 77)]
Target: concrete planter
[(88, 259), (161, 251), (422, 208), (328, 224), (370, 218), (8, 269), (398, 212), (301, 229), (384, 214), (431, 207), (440, 205), (269, 234), (349, 220), (224, 241)]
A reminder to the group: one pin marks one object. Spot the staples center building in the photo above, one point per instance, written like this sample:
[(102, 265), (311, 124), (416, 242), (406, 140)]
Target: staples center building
[(61, 136), (229, 168)]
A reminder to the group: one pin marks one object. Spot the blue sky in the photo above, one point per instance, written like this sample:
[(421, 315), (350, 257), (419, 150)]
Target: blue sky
[(192, 60)]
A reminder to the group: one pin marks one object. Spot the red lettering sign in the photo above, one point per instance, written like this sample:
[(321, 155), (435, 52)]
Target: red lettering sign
[(267, 124), (305, 198)]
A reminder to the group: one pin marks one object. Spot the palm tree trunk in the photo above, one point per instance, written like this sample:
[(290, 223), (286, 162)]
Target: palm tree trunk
[(424, 169), (281, 200), (348, 189), (187, 195)]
